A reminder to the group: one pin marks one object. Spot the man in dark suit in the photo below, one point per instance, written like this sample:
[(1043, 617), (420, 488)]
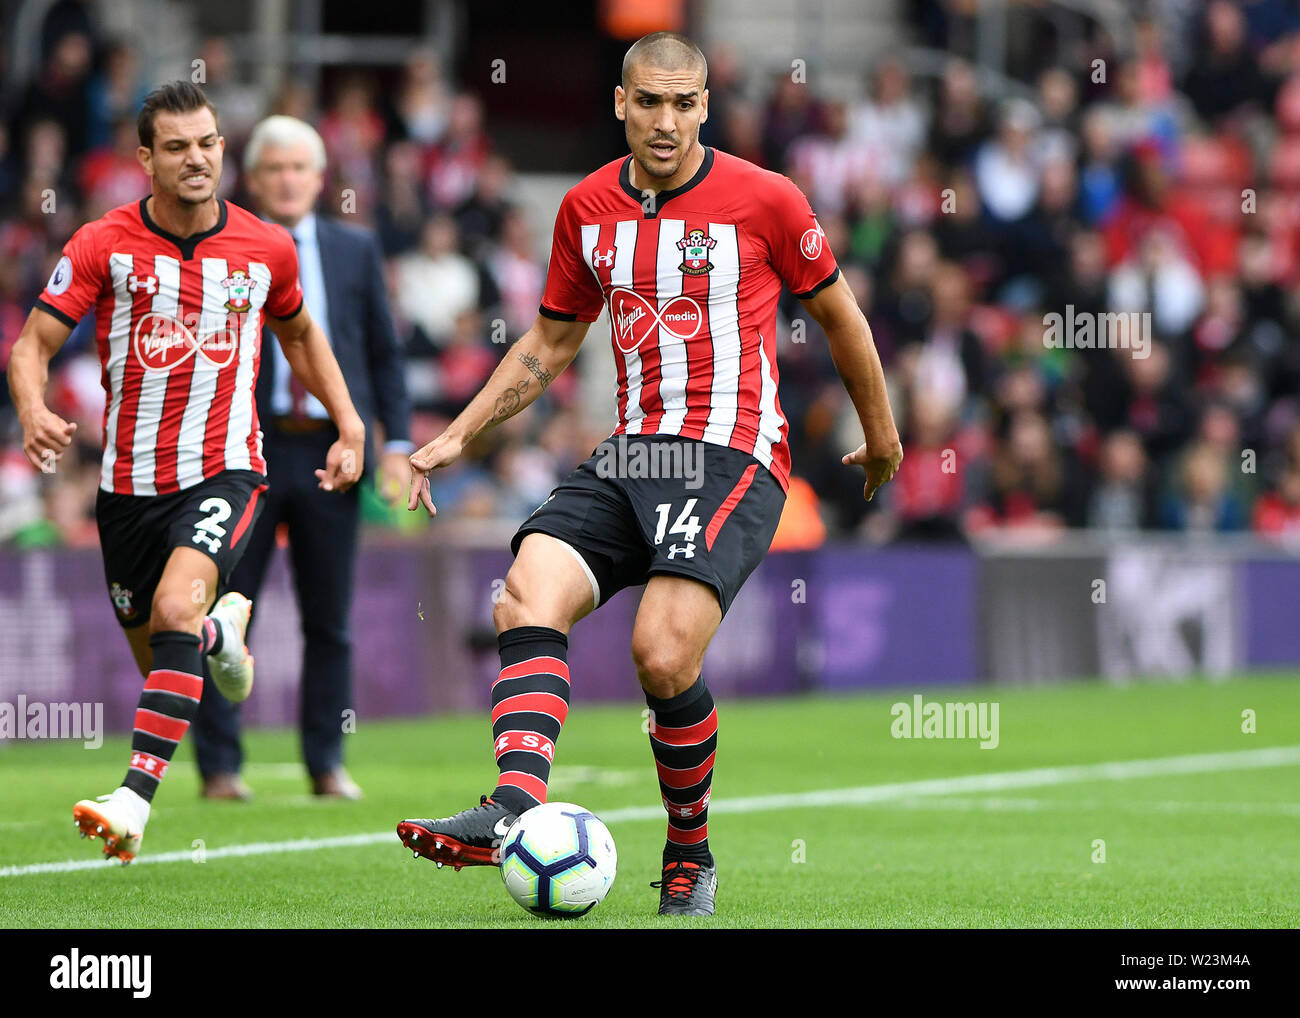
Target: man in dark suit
[(343, 286)]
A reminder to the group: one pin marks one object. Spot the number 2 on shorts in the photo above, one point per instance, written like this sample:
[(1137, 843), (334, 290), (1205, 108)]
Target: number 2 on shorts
[(209, 530)]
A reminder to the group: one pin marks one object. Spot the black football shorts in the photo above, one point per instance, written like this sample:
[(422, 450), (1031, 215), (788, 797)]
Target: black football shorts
[(138, 532), (648, 504)]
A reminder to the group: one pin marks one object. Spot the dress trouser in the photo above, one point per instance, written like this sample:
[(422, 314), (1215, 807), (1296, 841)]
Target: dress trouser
[(322, 529)]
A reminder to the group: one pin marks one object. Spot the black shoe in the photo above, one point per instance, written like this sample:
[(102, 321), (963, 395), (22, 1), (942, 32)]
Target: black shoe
[(687, 888), (470, 838)]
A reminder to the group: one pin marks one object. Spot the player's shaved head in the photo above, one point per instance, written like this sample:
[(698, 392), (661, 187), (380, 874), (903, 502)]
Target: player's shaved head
[(662, 102), (668, 51)]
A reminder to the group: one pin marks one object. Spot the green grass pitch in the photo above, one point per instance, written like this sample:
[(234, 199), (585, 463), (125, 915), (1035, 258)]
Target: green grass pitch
[(1211, 843)]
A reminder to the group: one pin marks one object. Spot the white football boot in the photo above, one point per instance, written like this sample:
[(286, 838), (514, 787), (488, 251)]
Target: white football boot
[(118, 818), (232, 666)]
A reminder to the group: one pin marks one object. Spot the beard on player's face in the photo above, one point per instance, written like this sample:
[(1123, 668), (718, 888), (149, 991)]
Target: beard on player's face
[(184, 195), (654, 167), (190, 198)]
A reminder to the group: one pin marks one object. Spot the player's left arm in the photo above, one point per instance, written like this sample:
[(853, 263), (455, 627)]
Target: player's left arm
[(854, 351), (313, 363), (803, 259)]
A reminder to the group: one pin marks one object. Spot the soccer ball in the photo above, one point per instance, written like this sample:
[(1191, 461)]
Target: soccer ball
[(558, 860)]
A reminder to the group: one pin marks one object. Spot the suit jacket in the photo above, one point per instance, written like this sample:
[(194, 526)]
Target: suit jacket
[(360, 329)]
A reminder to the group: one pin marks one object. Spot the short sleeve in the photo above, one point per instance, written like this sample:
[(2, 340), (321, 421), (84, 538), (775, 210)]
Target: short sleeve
[(285, 299), (798, 248), (77, 280), (572, 293)]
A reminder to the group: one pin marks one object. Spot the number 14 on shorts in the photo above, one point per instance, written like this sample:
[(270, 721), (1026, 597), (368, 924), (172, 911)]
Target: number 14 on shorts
[(687, 525)]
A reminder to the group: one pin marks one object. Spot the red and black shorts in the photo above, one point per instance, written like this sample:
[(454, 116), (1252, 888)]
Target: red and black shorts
[(648, 504), (137, 534)]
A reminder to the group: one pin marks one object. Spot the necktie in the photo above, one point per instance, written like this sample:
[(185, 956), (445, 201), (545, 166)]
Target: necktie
[(297, 392)]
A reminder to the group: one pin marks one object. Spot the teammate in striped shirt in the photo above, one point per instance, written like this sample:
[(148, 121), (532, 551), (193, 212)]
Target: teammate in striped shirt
[(687, 248), (180, 283)]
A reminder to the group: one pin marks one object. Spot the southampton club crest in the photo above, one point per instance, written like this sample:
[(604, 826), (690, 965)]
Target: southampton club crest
[(122, 601), (239, 290), (695, 248)]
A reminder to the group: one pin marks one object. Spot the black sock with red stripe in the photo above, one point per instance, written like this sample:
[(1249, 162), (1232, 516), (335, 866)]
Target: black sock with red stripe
[(167, 706), (684, 739), (530, 700)]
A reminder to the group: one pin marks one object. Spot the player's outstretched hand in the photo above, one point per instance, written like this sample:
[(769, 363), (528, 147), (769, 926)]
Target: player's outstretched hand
[(343, 464), (879, 465), (46, 437), (442, 451)]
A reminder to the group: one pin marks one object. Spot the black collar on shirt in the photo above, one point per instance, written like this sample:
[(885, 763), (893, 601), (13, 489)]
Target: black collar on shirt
[(186, 244), (625, 179)]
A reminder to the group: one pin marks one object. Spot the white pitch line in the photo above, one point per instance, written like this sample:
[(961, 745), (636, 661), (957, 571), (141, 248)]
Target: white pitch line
[(1022, 805), (997, 781), (254, 848)]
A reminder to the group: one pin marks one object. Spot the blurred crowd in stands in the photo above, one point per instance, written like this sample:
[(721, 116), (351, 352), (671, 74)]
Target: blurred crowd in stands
[(1161, 176)]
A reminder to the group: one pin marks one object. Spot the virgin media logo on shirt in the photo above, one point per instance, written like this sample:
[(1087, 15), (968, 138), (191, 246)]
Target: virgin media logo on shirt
[(634, 318), (162, 342)]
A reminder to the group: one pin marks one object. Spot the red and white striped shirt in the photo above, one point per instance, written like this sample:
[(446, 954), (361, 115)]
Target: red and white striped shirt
[(691, 278), (178, 331)]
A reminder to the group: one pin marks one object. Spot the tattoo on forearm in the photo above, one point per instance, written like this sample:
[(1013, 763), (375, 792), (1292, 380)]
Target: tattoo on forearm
[(511, 399), (507, 403), (533, 364)]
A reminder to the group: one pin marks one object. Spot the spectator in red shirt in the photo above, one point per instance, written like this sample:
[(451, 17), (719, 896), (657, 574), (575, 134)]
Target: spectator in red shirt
[(353, 130), (1028, 475), (455, 162), (111, 175), (928, 502), (1277, 513), (1150, 204)]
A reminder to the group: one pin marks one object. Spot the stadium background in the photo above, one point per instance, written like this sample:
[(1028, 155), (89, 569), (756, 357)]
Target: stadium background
[(976, 167)]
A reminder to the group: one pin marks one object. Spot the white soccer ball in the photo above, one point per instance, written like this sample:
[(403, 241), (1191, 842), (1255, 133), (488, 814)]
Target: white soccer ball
[(559, 860)]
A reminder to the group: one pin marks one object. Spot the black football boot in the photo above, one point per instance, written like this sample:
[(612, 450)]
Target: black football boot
[(470, 838)]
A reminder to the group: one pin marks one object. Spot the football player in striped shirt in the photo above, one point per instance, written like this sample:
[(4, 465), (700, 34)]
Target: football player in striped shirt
[(688, 248), (179, 283)]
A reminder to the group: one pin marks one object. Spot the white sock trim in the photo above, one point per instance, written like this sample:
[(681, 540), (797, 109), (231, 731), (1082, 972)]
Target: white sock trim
[(591, 577)]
